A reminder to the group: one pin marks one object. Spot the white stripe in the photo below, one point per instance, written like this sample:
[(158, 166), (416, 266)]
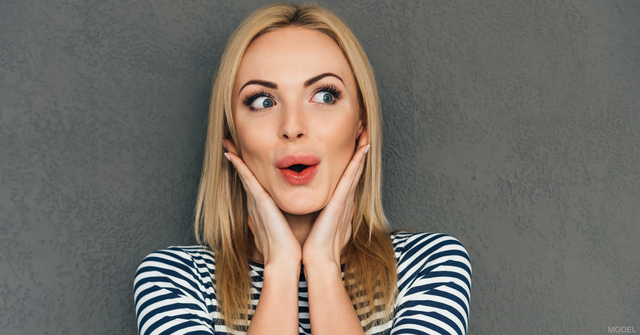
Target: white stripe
[(428, 319), (420, 252), (448, 314), (151, 321), (184, 286), (457, 306)]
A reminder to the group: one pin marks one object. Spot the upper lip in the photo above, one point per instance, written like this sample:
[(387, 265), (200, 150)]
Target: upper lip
[(302, 158)]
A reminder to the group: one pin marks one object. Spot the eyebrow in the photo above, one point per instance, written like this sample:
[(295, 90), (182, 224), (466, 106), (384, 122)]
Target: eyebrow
[(274, 86), (316, 78), (264, 83)]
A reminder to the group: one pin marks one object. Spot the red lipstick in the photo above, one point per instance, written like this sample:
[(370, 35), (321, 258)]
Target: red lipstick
[(298, 169)]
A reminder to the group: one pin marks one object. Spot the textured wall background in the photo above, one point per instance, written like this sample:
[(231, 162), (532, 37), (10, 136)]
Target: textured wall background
[(511, 125)]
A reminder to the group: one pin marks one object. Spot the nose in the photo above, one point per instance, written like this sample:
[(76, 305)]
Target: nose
[(293, 124)]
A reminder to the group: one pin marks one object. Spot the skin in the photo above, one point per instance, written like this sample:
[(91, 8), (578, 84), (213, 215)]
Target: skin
[(308, 224)]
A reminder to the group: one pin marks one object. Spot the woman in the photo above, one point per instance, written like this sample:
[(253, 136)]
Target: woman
[(291, 222)]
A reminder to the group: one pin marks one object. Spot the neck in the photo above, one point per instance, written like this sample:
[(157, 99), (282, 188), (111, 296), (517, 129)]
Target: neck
[(300, 225)]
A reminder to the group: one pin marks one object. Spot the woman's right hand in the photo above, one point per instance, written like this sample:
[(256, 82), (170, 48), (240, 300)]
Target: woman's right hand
[(273, 237)]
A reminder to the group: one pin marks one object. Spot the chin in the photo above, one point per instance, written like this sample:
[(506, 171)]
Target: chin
[(300, 205)]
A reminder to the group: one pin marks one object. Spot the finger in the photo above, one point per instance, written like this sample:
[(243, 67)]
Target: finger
[(355, 167), (363, 141), (249, 181), (231, 148), (364, 138), (233, 159), (228, 144), (349, 176), (358, 173)]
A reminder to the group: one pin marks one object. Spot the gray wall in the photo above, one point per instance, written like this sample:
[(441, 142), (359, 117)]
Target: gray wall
[(511, 125)]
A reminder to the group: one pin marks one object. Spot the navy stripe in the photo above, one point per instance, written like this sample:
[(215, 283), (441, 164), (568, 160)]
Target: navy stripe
[(420, 322)]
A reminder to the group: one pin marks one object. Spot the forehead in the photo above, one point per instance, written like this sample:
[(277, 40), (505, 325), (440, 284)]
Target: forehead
[(291, 55)]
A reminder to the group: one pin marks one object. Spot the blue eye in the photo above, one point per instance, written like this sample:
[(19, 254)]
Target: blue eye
[(323, 97), (327, 94), (259, 100)]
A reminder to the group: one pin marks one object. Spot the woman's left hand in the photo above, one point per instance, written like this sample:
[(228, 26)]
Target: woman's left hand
[(332, 229)]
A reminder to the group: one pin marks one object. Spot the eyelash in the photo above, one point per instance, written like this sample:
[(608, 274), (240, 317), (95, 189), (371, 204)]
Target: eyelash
[(252, 97), (329, 88)]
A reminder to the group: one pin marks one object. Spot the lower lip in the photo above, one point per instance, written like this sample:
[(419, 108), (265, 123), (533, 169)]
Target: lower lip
[(303, 177)]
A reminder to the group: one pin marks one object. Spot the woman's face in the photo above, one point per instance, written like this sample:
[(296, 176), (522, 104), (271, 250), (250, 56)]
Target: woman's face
[(295, 102)]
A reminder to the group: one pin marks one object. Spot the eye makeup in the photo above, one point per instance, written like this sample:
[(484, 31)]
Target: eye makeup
[(249, 99), (331, 89)]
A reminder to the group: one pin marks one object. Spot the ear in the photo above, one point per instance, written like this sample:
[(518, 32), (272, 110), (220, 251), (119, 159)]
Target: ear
[(230, 146), (362, 125)]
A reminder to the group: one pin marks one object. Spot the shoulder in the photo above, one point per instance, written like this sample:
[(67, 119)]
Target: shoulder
[(174, 287), (422, 254), (410, 245), (179, 259), (186, 268), (434, 282)]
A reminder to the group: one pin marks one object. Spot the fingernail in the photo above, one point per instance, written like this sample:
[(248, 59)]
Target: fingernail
[(227, 156), (367, 149)]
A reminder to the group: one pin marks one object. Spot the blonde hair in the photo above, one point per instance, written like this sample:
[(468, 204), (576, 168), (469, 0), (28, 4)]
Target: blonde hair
[(221, 215)]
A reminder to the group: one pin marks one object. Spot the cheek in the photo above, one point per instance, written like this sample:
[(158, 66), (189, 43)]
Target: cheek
[(341, 140), (254, 148)]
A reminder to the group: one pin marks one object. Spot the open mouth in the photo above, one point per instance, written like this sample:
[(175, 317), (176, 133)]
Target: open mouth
[(297, 168)]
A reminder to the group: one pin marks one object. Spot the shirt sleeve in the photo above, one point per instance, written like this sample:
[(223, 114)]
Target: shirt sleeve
[(169, 296), (434, 286)]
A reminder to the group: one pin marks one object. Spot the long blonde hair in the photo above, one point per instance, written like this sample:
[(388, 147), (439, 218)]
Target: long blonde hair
[(221, 215)]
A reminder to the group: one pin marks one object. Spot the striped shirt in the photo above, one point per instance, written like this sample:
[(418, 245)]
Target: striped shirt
[(174, 289)]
